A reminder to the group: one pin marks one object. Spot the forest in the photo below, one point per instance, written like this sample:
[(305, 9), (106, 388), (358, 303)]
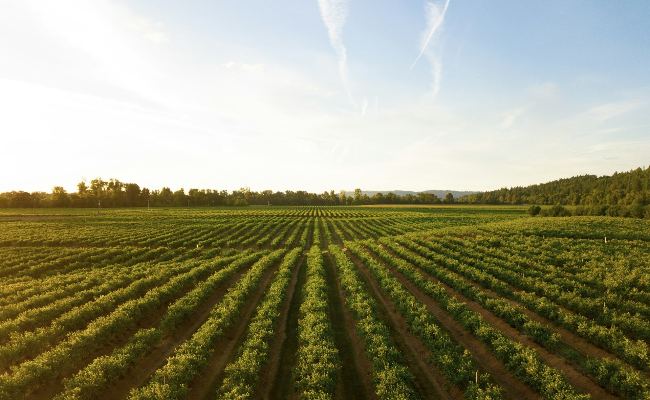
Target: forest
[(625, 194), (114, 193), (621, 189)]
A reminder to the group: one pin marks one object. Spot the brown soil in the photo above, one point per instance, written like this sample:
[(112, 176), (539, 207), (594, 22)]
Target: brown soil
[(585, 347), (324, 243), (335, 236), (207, 383), (271, 372), (571, 339), (429, 382), (512, 386), (344, 232), (47, 390), (573, 375), (281, 387), (146, 366), (356, 371)]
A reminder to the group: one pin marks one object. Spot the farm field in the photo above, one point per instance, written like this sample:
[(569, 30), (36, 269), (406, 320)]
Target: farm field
[(439, 302)]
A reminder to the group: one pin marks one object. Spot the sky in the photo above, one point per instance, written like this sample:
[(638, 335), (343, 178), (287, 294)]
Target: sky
[(321, 94)]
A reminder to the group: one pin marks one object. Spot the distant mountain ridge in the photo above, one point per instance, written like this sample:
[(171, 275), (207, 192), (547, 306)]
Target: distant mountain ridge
[(439, 193)]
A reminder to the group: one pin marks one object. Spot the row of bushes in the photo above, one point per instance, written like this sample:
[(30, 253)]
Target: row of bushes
[(618, 377), (548, 300), (453, 360), (318, 358), (392, 379), (241, 375), (38, 372), (631, 211), (91, 381), (521, 360), (172, 380)]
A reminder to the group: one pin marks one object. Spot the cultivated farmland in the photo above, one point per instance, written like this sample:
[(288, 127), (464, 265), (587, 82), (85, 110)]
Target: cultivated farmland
[(322, 302)]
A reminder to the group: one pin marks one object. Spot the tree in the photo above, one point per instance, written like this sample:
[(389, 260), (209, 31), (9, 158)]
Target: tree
[(166, 197), (20, 199), (357, 196), (449, 198), (179, 198), (116, 192), (98, 187), (82, 188), (534, 210), (132, 194), (145, 196), (343, 198), (60, 197), (266, 196), (556, 211)]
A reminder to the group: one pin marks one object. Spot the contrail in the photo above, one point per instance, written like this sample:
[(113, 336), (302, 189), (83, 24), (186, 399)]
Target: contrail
[(435, 18), (334, 14)]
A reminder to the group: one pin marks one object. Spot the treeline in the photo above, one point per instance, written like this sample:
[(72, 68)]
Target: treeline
[(113, 193), (625, 194)]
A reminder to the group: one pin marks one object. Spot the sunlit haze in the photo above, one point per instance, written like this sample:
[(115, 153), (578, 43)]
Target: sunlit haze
[(320, 95)]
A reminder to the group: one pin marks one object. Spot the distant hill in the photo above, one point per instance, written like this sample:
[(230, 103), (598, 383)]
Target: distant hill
[(439, 193), (622, 189)]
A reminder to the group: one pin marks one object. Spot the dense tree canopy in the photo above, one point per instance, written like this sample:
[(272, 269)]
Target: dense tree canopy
[(114, 193), (623, 193)]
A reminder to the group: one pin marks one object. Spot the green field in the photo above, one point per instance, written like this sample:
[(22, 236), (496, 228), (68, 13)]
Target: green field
[(403, 302)]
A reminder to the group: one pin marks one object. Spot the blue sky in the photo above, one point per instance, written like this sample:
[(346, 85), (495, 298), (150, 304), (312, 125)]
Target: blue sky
[(322, 94)]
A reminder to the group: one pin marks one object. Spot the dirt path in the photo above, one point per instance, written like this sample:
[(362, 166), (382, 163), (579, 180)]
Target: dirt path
[(328, 224), (281, 387), (516, 288), (573, 375), (356, 371), (512, 386), (324, 242), (578, 343), (47, 391), (429, 381), (344, 232), (206, 383), (271, 373), (146, 366)]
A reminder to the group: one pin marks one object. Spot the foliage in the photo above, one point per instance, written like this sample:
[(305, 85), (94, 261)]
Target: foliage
[(624, 194), (90, 298), (318, 359), (242, 374)]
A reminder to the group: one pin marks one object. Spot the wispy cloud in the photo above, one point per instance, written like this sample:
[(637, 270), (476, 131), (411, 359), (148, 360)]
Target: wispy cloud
[(608, 111), (334, 14), (435, 15)]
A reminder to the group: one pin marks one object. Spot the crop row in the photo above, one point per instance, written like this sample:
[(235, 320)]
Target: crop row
[(620, 379), (501, 279), (454, 362), (103, 371), (589, 301), (171, 380), (523, 361), (30, 375), (391, 378), (241, 375), (318, 358)]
